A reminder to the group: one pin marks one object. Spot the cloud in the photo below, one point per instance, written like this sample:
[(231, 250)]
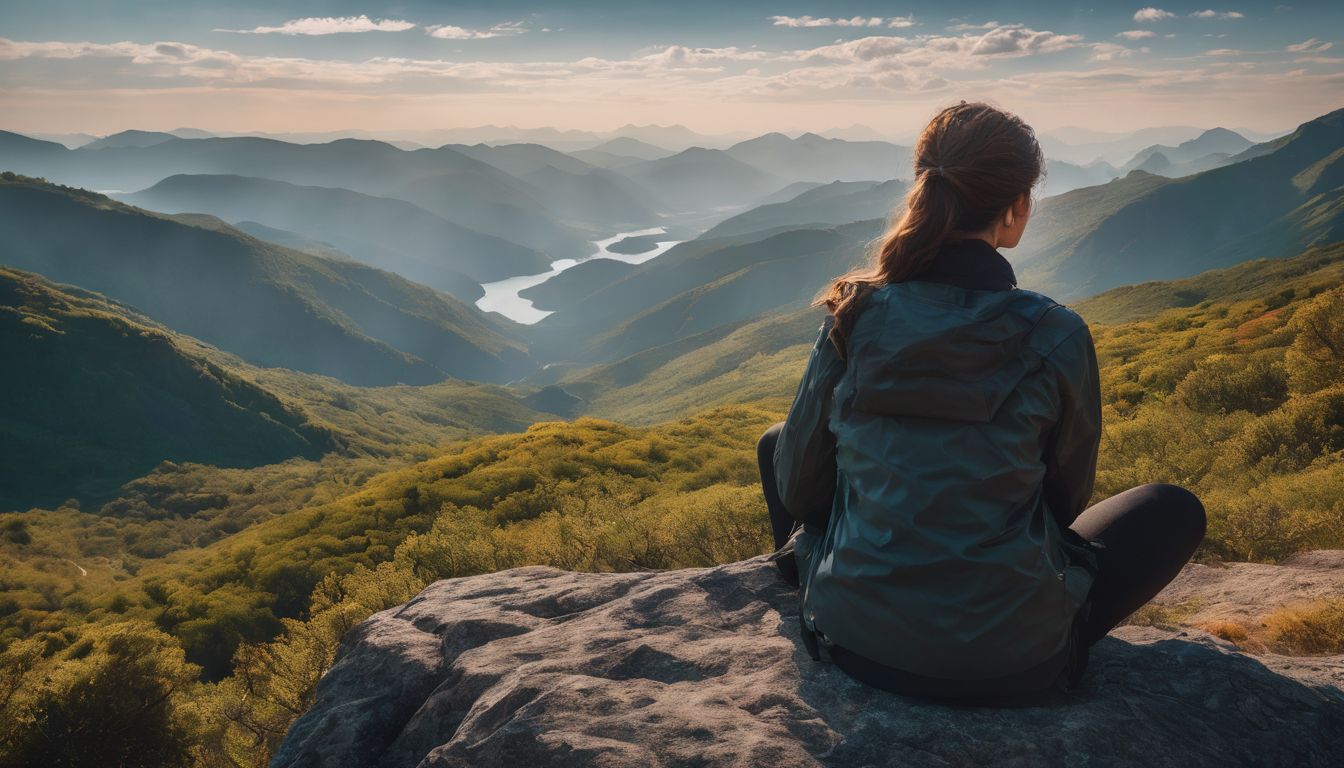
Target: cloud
[(1224, 52), (895, 22), (1211, 14), (1110, 52), (1136, 34), (708, 59), (136, 53), (328, 25), (1310, 46), (1152, 14), (1022, 41), (878, 69), (964, 27), (450, 32)]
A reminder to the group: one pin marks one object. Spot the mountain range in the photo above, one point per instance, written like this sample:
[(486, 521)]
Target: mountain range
[(315, 271), (268, 304), (1273, 199), (387, 233)]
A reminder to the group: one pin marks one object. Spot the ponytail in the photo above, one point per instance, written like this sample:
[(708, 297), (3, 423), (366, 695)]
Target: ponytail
[(971, 162)]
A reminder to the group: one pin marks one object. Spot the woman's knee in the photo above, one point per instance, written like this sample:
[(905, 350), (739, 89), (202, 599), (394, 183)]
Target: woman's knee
[(765, 447), (1182, 507)]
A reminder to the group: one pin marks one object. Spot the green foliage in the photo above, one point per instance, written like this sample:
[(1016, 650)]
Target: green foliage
[(109, 395), (1237, 400), (590, 494), (106, 695), (246, 716), (1224, 383), (106, 396), (1303, 432), (16, 531), (1316, 357)]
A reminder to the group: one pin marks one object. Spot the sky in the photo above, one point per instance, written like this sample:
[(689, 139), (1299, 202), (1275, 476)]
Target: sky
[(740, 66)]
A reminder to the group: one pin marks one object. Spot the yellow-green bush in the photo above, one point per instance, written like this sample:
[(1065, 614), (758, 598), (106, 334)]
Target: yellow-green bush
[(1317, 628)]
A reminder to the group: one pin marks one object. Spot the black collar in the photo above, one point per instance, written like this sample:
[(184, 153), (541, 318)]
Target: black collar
[(972, 264)]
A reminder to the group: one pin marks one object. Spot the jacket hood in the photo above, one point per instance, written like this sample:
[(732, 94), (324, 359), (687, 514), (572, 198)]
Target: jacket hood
[(931, 350)]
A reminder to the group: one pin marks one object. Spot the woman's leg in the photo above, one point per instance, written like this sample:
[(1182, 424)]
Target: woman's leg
[(781, 525), (1147, 534)]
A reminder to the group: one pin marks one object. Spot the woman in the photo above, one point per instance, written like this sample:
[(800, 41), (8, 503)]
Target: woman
[(933, 471)]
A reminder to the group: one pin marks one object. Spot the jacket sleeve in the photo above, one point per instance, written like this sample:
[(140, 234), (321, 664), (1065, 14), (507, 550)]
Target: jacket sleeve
[(1071, 451), (805, 454)]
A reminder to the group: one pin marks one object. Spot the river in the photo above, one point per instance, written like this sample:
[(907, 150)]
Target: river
[(502, 295)]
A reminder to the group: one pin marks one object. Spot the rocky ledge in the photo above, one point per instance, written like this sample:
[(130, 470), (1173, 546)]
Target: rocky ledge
[(703, 667)]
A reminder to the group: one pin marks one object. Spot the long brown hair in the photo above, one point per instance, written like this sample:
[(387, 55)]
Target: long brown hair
[(971, 162)]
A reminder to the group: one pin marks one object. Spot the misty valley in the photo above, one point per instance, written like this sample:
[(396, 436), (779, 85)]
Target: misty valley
[(258, 389)]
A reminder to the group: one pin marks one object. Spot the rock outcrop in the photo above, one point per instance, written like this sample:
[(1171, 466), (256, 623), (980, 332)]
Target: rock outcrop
[(703, 667)]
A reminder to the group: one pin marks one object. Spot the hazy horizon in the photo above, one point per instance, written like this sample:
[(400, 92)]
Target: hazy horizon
[(1071, 134), (74, 66)]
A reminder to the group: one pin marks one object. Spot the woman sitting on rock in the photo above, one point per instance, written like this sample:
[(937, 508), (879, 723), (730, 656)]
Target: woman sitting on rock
[(931, 478)]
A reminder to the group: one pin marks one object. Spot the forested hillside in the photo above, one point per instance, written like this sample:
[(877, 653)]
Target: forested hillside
[(99, 396)]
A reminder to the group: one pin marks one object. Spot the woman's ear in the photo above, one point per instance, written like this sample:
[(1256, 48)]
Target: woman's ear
[(1022, 206)]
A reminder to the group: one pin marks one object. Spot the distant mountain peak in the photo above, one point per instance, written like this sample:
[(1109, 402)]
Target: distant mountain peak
[(131, 138)]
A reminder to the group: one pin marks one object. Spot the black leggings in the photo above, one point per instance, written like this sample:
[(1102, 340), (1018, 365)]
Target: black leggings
[(1146, 535)]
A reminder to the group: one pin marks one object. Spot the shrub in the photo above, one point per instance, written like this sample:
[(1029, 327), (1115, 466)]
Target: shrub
[(1293, 437), (1226, 383), (1316, 357), (1313, 629), (1231, 631)]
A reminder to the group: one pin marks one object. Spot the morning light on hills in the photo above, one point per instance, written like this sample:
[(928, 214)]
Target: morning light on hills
[(638, 384)]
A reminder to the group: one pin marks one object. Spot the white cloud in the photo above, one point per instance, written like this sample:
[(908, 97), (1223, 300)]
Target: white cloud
[(895, 22), (1152, 14), (328, 25), (1212, 14), (809, 21), (712, 59), (1310, 46), (1224, 52), (450, 32), (964, 27), (136, 53), (1020, 41), (1136, 34), (1110, 52)]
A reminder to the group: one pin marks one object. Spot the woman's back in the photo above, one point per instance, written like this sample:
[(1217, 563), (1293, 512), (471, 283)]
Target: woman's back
[(943, 554), (942, 447)]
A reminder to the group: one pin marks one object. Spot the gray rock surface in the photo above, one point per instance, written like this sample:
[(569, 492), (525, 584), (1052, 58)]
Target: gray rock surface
[(703, 667), (1247, 592)]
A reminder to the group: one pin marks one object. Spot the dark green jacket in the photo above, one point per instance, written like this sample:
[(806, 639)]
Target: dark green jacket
[(937, 468)]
